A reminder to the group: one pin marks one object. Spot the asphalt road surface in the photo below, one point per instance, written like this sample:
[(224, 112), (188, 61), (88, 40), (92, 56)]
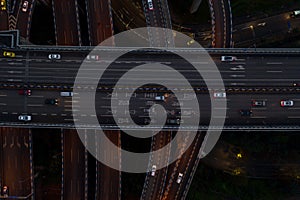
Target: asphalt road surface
[(15, 161), (100, 21), (74, 167), (66, 22)]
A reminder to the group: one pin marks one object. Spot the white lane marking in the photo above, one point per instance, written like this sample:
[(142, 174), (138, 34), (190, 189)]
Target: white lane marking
[(53, 114), (44, 114), (36, 96), (3, 104), (294, 108), (34, 113), (274, 71), (3, 95), (35, 105), (274, 63), (63, 114), (5, 113), (295, 117), (14, 113), (258, 117), (237, 75)]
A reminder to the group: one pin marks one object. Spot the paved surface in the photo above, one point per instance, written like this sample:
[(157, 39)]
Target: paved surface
[(268, 77), (15, 160), (100, 21), (4, 20), (74, 167), (154, 185), (109, 180), (66, 22)]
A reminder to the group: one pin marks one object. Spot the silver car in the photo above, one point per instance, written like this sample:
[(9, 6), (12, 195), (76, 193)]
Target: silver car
[(25, 118), (54, 56), (179, 179)]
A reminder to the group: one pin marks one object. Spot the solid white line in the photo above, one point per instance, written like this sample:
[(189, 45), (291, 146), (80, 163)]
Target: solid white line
[(35, 105), (274, 71), (296, 117), (274, 63), (36, 96)]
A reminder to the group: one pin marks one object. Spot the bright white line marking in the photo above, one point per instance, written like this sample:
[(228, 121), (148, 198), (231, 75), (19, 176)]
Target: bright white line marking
[(274, 71), (3, 95), (274, 63)]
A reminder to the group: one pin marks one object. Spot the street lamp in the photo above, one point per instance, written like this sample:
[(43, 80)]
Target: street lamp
[(253, 34)]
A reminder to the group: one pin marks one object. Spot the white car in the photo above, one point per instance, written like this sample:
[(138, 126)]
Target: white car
[(92, 57), (286, 103), (25, 118), (228, 58), (220, 94), (150, 4), (262, 24), (160, 98), (54, 56), (25, 6), (153, 170), (179, 179)]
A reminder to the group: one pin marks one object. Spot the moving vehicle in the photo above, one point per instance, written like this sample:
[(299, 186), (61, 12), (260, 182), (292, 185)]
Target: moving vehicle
[(25, 92), (51, 101), (3, 5), (295, 13), (92, 57), (25, 6), (228, 58), (150, 4), (25, 118), (54, 56), (286, 103), (66, 94), (9, 54), (258, 103), (179, 179), (219, 94), (173, 121), (246, 112), (160, 98), (153, 170), (262, 24)]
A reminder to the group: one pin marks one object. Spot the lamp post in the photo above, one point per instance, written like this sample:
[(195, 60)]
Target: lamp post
[(253, 34)]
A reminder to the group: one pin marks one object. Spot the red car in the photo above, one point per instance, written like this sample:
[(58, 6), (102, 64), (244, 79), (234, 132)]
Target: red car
[(25, 92)]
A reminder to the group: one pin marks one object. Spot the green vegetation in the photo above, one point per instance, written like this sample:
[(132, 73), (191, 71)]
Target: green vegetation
[(253, 7), (212, 184)]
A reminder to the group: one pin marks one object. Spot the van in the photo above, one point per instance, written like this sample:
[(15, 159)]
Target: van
[(66, 94)]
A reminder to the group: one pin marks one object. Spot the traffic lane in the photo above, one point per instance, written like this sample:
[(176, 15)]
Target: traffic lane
[(65, 55), (184, 166), (16, 160), (73, 166), (219, 24), (110, 179), (23, 21), (156, 183), (66, 22), (100, 23), (4, 20)]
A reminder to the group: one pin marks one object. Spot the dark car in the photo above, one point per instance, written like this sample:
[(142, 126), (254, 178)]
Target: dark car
[(246, 112), (25, 92), (173, 121), (51, 101), (259, 103)]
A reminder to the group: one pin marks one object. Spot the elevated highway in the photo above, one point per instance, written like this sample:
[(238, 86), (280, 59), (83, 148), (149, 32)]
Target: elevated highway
[(253, 76)]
